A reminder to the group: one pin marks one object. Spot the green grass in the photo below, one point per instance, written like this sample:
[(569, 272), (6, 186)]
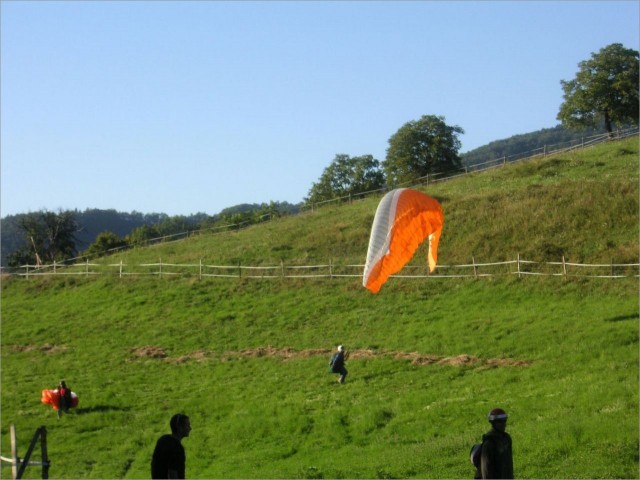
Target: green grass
[(561, 356), (583, 205)]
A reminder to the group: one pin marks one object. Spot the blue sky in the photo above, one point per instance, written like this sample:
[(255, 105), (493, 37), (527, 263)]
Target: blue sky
[(186, 107)]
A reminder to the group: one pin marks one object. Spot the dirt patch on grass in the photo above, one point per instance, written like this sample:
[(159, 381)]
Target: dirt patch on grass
[(288, 353), (155, 352), (507, 362), (46, 348), (199, 356), (148, 351)]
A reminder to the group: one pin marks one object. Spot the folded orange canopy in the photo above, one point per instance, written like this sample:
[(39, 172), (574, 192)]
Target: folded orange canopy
[(52, 397), (403, 220)]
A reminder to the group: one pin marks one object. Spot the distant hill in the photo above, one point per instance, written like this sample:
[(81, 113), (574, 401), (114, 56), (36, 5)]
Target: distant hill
[(92, 222), (516, 145)]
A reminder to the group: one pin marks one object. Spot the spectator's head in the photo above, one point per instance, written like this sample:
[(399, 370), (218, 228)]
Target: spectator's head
[(498, 419), (180, 425), (340, 348)]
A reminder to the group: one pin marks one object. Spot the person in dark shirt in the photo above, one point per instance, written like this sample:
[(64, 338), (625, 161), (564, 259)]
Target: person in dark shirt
[(64, 401), (496, 458), (337, 364), (169, 458)]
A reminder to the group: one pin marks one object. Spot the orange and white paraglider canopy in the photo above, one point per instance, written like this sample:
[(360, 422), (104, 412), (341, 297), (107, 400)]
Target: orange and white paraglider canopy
[(52, 397), (403, 220)]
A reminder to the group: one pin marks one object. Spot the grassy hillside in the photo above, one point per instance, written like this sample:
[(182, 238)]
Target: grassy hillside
[(583, 205), (247, 359)]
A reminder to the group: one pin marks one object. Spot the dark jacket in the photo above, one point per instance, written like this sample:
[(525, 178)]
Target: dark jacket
[(168, 455), (496, 460), (337, 362), (64, 403)]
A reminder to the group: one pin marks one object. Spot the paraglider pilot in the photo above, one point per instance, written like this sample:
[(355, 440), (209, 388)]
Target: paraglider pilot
[(337, 364), (64, 401)]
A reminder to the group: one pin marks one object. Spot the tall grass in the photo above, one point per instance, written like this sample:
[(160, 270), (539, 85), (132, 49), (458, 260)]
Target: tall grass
[(247, 358), (583, 205)]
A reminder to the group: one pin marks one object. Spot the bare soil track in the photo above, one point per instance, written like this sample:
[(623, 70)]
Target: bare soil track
[(288, 353)]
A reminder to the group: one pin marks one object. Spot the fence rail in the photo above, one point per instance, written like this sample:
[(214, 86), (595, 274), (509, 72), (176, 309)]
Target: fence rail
[(201, 270)]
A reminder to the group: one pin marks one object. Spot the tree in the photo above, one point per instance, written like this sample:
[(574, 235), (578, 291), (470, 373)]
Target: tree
[(143, 234), (347, 176), (105, 242), (422, 147), (605, 87), (48, 237)]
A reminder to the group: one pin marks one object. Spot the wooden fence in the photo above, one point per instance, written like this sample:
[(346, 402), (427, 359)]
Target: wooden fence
[(331, 269), (18, 466)]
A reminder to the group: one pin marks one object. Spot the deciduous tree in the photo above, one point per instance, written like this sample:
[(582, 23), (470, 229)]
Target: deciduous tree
[(605, 88), (48, 237), (421, 147), (347, 176), (105, 242)]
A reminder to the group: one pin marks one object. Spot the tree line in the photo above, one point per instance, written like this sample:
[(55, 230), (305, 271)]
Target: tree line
[(603, 95), (44, 236)]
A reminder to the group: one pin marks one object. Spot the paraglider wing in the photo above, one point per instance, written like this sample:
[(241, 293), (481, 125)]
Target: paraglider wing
[(52, 397), (403, 220)]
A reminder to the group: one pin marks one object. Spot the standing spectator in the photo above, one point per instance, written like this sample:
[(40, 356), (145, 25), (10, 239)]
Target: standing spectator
[(169, 458), (64, 400), (496, 458), (337, 363)]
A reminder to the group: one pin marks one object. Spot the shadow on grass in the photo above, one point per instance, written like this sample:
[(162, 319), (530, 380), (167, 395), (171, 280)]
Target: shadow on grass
[(622, 318), (101, 409)]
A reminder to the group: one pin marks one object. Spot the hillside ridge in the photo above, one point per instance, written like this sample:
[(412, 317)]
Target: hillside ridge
[(580, 205)]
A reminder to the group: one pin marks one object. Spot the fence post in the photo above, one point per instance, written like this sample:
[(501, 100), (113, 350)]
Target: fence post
[(475, 270), (54, 266), (160, 267), (239, 270), (27, 456), (282, 268), (87, 271), (330, 269), (43, 449), (564, 267), (27, 271), (612, 274), (14, 452), (120, 268), (200, 271), (519, 276)]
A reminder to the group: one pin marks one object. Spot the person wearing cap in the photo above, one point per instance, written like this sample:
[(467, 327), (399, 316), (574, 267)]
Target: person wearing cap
[(496, 459), (168, 460), (337, 364)]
